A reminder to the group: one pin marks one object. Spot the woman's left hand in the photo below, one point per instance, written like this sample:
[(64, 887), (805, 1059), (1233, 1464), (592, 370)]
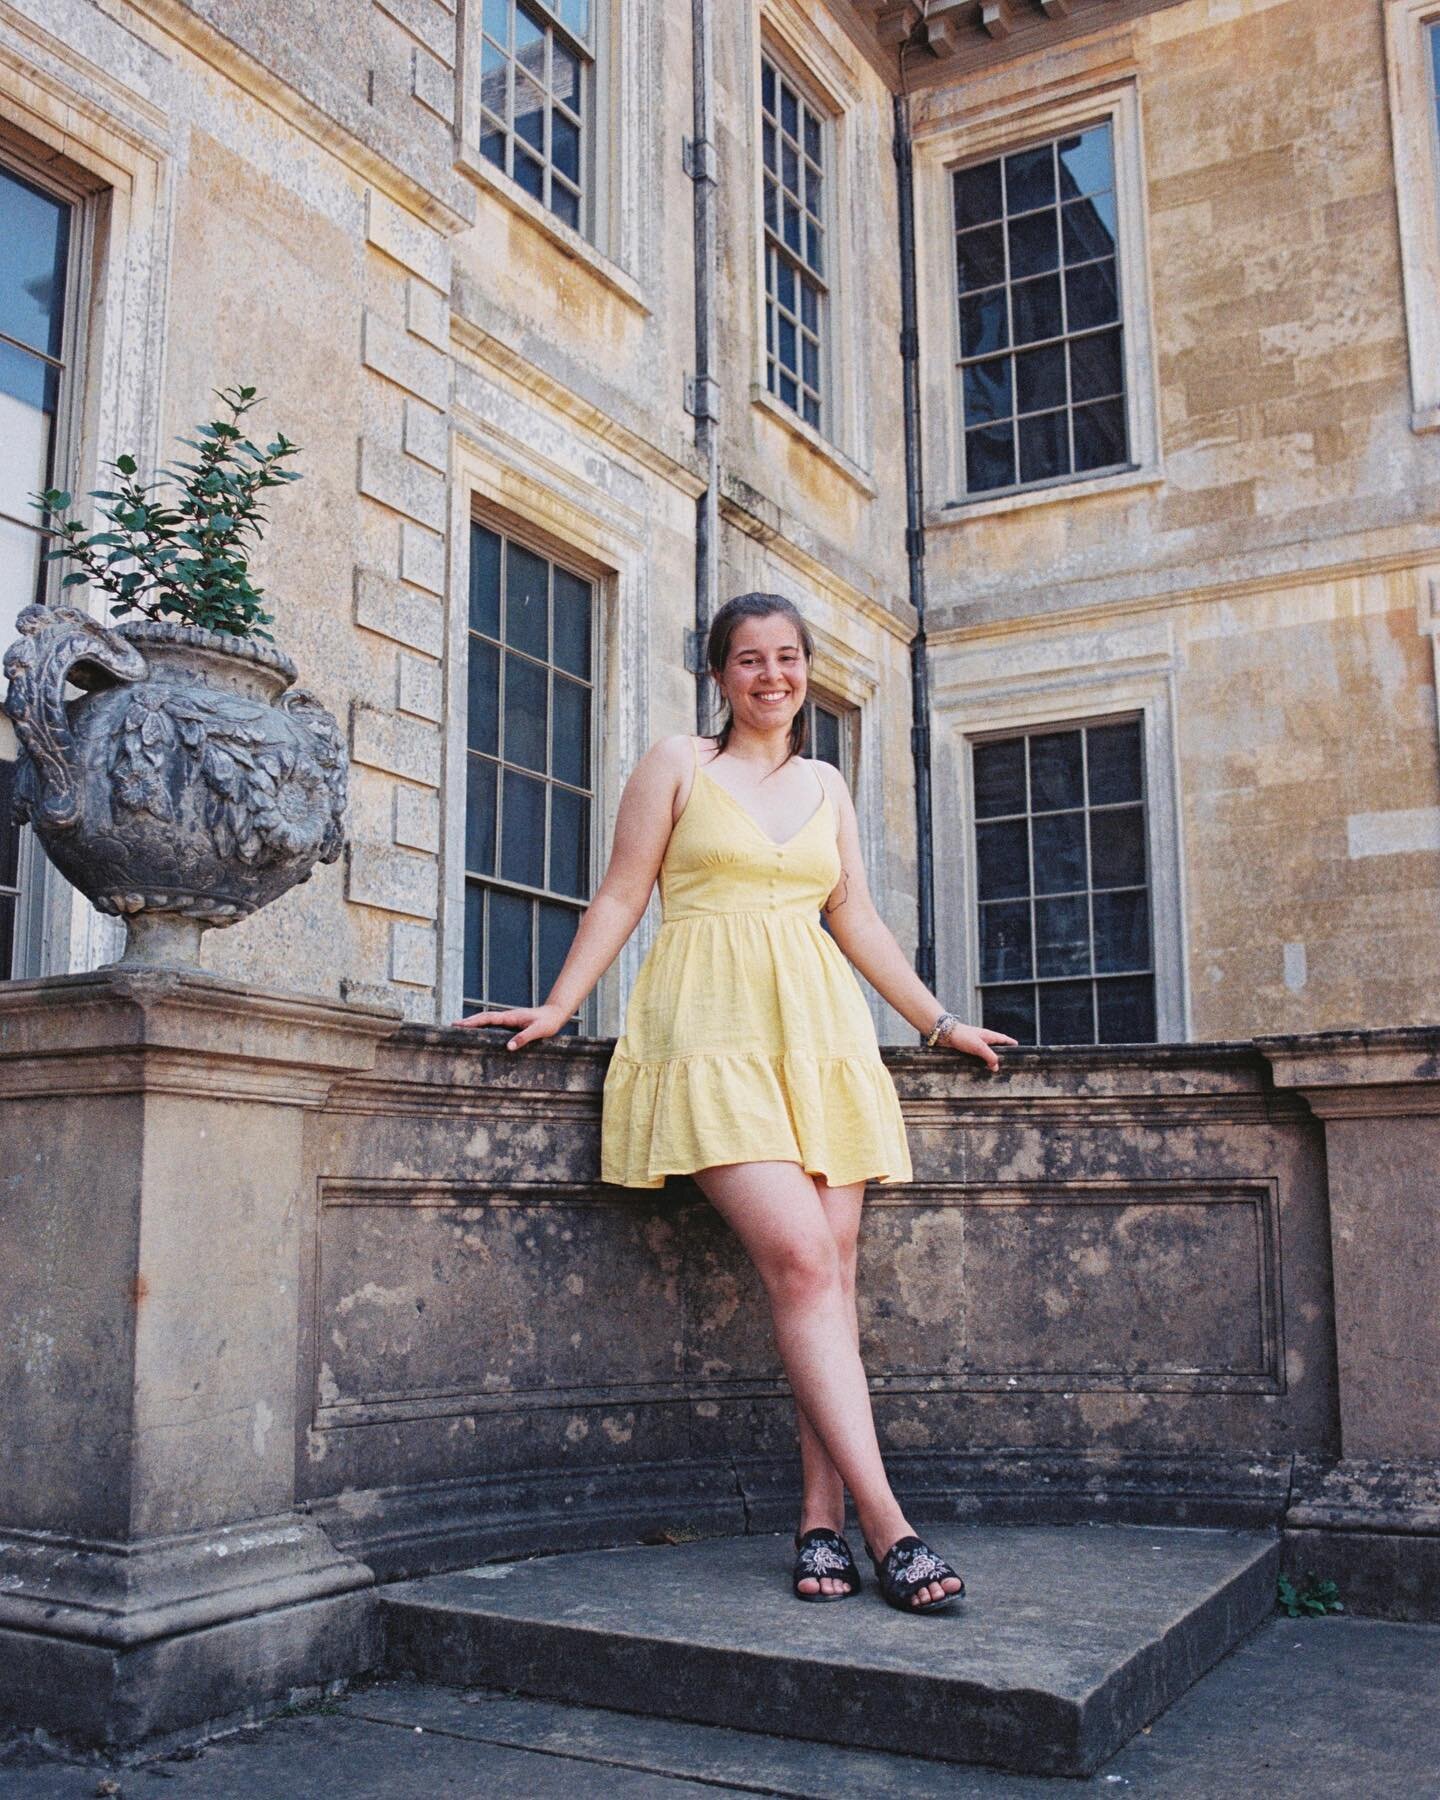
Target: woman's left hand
[(974, 1040)]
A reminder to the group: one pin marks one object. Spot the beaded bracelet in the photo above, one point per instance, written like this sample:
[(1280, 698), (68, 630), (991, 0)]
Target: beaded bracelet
[(942, 1025)]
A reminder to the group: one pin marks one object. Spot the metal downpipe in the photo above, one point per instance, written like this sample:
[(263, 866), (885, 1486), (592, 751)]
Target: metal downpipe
[(915, 554), (702, 397)]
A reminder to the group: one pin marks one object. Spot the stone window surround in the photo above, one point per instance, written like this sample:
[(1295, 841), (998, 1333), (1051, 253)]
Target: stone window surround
[(1417, 194), (936, 153), (523, 506), (991, 689), (789, 40), (108, 162), (619, 120)]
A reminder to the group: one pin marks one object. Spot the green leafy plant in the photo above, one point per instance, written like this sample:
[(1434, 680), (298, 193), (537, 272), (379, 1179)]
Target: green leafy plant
[(1310, 1601), (185, 558)]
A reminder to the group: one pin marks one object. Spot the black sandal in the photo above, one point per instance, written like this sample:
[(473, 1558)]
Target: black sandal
[(910, 1564), (821, 1552)]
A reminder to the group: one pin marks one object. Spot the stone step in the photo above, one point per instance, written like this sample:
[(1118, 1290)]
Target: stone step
[(1069, 1640)]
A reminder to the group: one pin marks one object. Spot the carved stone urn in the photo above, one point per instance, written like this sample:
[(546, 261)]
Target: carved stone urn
[(190, 782)]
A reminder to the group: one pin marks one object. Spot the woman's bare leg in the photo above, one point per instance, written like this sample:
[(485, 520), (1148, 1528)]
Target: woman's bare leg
[(822, 1492), (775, 1211)]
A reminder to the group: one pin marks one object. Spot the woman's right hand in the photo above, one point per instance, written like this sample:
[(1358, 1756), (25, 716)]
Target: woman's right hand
[(534, 1021)]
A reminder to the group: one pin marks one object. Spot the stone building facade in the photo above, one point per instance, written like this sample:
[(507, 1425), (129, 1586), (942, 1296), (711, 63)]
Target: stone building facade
[(1176, 262)]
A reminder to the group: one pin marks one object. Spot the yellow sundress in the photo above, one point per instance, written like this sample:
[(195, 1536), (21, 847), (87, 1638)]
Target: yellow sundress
[(747, 1038)]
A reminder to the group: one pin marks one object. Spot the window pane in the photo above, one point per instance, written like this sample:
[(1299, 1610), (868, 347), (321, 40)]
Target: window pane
[(529, 43), (1091, 296), (530, 174), (980, 257), (34, 239), (1005, 941), (492, 145), (575, 16), (791, 214), (565, 76), (1056, 778), (1100, 434), (1002, 855), (989, 458), (495, 83), (826, 731), (1036, 308), (1040, 379), (789, 110), (1034, 245), (564, 204), (1030, 179), (1011, 1010), (569, 842), (472, 974), (815, 247), (483, 728), (767, 88), (1067, 1013), (984, 323), (565, 145), (1117, 847), (812, 136), (810, 362), (1044, 447), (1122, 931), (530, 112), (525, 600), (790, 167), (522, 829), (1127, 1010), (570, 732), (1000, 778), (524, 713), (987, 390), (480, 816), (1088, 228), (977, 195), (484, 581), (1085, 162), (1059, 852), (1062, 936), (1113, 755), (557, 933), (572, 623), (497, 25), (1095, 366), (787, 343), (510, 948)]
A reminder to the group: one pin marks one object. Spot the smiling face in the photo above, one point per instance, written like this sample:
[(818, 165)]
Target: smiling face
[(765, 674)]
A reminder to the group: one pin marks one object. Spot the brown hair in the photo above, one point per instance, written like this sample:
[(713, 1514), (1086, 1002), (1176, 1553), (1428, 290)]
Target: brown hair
[(717, 652)]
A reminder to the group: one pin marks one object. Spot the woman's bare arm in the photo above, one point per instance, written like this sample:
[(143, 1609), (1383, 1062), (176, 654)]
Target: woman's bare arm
[(867, 940), (642, 830)]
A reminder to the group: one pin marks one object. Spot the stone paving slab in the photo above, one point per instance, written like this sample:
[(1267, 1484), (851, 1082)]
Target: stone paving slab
[(1069, 1639), (1304, 1710)]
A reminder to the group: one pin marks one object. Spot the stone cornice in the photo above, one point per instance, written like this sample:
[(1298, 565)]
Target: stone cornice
[(1390, 1073)]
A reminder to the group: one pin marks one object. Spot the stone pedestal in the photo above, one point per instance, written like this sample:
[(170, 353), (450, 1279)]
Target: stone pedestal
[(1371, 1521), (154, 1573)]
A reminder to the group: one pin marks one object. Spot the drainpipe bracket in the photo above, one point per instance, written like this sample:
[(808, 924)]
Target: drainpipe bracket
[(702, 397), (701, 163)]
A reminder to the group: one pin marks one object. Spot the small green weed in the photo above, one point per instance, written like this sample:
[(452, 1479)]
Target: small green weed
[(1311, 1600)]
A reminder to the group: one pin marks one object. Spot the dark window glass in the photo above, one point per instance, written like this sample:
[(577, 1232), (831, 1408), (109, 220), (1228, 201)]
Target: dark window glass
[(1059, 852), (1035, 250), (988, 392), (522, 835), (1044, 447), (990, 457), (1057, 774), (1005, 940), (530, 725), (1063, 909), (1002, 858), (1011, 1010), (792, 137), (534, 68), (1067, 1013), (1000, 778), (1117, 847)]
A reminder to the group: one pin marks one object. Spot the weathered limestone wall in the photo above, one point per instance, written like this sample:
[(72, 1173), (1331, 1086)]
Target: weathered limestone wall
[(1267, 578)]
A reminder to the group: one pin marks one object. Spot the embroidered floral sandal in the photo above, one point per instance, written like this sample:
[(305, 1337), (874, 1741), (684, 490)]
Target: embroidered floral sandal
[(821, 1552), (907, 1566)]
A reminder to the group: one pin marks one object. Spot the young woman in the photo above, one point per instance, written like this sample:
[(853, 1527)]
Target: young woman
[(749, 1061)]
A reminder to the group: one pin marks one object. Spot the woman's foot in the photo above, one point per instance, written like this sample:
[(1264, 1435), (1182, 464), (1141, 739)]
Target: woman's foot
[(944, 1583), (825, 1568)]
